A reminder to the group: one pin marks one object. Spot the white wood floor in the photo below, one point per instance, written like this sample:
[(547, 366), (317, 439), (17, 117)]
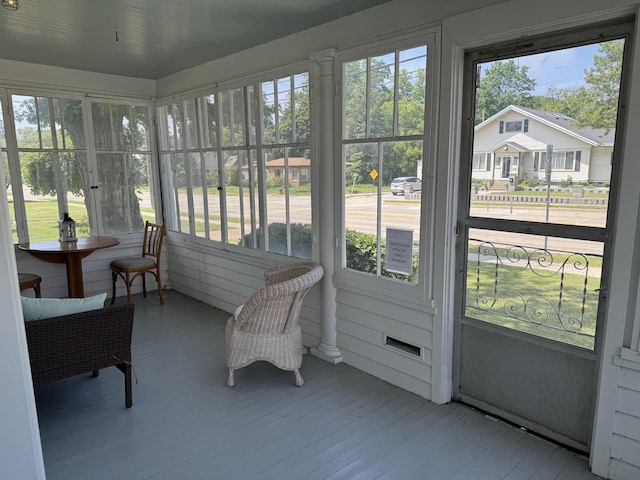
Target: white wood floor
[(186, 424)]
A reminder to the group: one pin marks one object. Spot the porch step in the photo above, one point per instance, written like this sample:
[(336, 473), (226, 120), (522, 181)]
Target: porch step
[(499, 185)]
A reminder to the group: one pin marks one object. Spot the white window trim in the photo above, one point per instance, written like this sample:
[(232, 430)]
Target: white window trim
[(86, 99), (420, 294), (255, 79)]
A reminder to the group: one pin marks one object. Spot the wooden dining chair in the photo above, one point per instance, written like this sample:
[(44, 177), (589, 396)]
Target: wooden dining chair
[(30, 280), (149, 262)]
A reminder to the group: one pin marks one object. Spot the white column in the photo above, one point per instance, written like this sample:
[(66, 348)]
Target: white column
[(326, 205)]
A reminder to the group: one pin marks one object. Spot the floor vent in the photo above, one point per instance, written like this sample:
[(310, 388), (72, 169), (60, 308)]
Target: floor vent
[(403, 346)]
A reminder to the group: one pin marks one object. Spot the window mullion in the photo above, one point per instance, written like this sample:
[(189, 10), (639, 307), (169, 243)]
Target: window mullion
[(260, 159), (287, 202), (294, 137), (252, 179), (368, 101), (232, 120), (13, 158), (55, 157), (222, 176), (276, 112), (186, 158), (396, 92), (92, 163), (203, 175), (379, 212)]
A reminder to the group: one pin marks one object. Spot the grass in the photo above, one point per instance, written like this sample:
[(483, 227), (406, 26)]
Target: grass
[(42, 217)]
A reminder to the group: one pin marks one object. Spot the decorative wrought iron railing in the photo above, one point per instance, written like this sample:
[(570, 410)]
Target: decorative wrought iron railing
[(543, 288)]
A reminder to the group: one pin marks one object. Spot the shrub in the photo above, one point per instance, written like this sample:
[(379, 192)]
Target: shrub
[(301, 239), (529, 182), (361, 251), (567, 182), (361, 255), (275, 182), (360, 247)]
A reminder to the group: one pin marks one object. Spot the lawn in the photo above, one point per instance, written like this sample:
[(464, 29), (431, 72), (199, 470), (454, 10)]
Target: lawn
[(43, 216), (557, 301)]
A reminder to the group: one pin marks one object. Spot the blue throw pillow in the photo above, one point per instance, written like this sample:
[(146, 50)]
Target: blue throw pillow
[(38, 308)]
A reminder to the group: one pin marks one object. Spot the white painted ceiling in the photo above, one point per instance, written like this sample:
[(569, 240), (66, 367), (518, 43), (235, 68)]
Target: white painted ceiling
[(154, 38)]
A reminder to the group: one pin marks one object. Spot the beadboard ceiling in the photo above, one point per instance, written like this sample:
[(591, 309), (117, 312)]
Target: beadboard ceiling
[(154, 38)]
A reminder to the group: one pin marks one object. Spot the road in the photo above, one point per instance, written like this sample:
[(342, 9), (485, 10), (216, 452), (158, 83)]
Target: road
[(361, 213)]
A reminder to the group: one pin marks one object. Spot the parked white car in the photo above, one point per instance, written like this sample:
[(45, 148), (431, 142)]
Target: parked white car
[(401, 184)]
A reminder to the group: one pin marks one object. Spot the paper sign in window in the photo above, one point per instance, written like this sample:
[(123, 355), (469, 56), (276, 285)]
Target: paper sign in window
[(399, 252)]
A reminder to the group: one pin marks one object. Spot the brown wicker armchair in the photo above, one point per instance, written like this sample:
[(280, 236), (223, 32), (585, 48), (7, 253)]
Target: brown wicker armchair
[(266, 327)]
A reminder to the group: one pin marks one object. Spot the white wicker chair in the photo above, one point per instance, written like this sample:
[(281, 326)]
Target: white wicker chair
[(266, 327)]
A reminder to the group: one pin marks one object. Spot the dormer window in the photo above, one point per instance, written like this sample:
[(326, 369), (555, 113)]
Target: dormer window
[(514, 126)]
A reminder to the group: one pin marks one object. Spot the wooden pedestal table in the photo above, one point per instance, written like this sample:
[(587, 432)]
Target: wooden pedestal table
[(71, 254)]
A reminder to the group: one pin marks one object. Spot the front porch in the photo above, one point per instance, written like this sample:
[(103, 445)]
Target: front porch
[(186, 423)]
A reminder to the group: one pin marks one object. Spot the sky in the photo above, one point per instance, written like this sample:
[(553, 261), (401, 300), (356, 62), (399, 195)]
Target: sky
[(561, 68)]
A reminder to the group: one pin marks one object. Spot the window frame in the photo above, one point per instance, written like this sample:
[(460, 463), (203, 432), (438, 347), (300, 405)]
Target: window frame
[(255, 143), (151, 151), (13, 152), (479, 162), (364, 283), (560, 156), (510, 126)]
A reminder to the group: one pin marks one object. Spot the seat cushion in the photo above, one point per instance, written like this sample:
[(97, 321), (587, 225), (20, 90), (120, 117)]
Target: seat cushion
[(30, 278), (38, 308), (133, 263)]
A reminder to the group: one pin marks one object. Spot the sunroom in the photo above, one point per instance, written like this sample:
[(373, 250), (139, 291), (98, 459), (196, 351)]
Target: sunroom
[(283, 149)]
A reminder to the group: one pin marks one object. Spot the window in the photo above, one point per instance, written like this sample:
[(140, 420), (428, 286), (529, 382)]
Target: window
[(102, 191), (123, 155), (560, 160), (231, 150), (479, 161), (383, 111), (513, 126)]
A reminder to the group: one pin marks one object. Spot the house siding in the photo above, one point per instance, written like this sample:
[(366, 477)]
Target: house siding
[(366, 321), (625, 445), (488, 138), (600, 164)]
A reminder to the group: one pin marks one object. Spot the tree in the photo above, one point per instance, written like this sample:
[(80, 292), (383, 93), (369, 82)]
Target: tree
[(400, 157), (598, 100), (504, 83), (120, 123), (558, 100), (594, 104), (296, 103)]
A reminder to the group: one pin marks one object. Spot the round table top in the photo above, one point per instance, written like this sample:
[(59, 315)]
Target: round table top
[(84, 244)]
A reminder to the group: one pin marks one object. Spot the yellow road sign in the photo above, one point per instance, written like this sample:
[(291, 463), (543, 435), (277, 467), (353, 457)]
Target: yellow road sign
[(373, 174)]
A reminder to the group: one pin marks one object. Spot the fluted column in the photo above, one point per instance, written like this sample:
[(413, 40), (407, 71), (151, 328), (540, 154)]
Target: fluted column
[(326, 205)]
